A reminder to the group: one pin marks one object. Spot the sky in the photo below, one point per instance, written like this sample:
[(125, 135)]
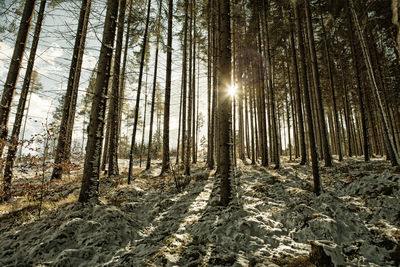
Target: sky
[(53, 61)]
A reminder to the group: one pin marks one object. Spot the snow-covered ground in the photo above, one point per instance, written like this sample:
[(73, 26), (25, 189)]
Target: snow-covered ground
[(271, 221)]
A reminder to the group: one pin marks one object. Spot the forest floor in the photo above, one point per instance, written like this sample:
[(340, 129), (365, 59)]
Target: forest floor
[(272, 220)]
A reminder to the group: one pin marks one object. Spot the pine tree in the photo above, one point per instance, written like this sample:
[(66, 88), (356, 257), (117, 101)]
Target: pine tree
[(165, 159), (310, 119), (90, 180), (153, 94), (66, 127), (12, 150), (114, 108), (142, 59), (13, 71), (225, 163)]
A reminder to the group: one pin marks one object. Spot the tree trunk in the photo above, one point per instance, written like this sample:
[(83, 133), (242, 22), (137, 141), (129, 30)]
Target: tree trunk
[(300, 119), (210, 139), (12, 150), (13, 71), (225, 103), (153, 94), (90, 180), (190, 99), (311, 135), (144, 122), (66, 126), (389, 139), (332, 86), (194, 158), (123, 71), (272, 93), (135, 123), (113, 169), (316, 80), (165, 160)]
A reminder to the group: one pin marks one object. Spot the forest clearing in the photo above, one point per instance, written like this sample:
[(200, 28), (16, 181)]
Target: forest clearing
[(200, 133)]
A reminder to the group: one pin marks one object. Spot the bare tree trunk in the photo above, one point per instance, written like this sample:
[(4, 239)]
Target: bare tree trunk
[(300, 119), (90, 180), (311, 135), (113, 169), (190, 99), (225, 103), (123, 71), (66, 126), (135, 123), (210, 139), (12, 149), (165, 161), (389, 139), (144, 122), (194, 158), (332, 86), (13, 71), (153, 94), (180, 122), (314, 65), (272, 93)]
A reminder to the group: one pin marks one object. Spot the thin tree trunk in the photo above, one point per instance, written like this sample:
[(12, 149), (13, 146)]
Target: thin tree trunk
[(144, 122), (153, 94), (271, 90), (311, 135), (190, 99), (332, 86), (113, 169), (298, 96), (210, 139), (123, 71), (316, 80), (165, 161), (194, 158), (25, 120), (135, 123), (180, 122)]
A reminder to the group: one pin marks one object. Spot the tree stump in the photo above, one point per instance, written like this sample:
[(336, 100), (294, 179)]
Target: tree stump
[(325, 253)]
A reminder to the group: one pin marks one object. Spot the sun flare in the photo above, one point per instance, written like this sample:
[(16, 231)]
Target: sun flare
[(232, 90)]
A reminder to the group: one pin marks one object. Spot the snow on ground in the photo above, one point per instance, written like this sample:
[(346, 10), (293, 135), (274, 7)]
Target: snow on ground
[(270, 222)]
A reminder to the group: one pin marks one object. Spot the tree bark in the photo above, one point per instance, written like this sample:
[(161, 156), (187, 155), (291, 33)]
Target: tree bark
[(300, 118), (153, 94), (389, 139), (12, 150), (113, 169), (165, 160), (225, 103), (13, 71), (66, 126), (311, 135), (135, 123), (332, 87), (90, 180), (317, 85)]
